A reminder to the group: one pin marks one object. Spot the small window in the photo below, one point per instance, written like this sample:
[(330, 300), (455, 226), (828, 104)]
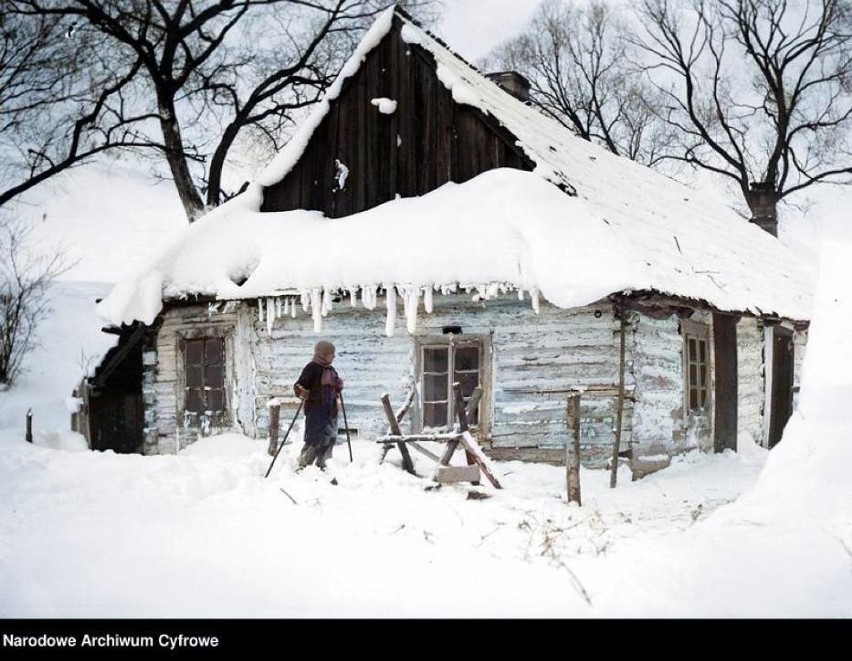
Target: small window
[(204, 375), (441, 365), (696, 362)]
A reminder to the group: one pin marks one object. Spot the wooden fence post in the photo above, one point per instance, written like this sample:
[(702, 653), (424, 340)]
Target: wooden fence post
[(274, 406), (572, 449), (616, 446), (29, 434)]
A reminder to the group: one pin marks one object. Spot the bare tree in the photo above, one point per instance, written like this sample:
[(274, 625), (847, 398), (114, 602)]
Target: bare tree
[(577, 62), (761, 92), (246, 63), (25, 277), (62, 100)]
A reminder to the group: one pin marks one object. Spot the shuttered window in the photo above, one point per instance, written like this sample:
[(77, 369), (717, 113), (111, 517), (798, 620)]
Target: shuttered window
[(204, 375)]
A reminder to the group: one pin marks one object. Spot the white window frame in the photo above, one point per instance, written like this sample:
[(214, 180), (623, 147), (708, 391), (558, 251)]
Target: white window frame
[(450, 342)]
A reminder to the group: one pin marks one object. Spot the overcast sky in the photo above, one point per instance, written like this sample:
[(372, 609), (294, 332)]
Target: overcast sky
[(473, 27)]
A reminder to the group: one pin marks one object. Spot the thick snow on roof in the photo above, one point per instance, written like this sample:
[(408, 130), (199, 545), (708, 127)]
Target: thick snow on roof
[(625, 227), (505, 229)]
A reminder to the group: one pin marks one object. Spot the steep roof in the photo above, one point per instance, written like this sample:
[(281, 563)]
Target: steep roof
[(621, 227)]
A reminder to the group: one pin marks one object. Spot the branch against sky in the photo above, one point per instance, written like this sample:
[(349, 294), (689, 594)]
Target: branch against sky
[(205, 71), (760, 92), (576, 58), (62, 100)]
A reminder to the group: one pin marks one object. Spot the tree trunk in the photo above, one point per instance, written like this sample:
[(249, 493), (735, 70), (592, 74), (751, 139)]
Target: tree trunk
[(217, 164), (762, 199), (176, 158)]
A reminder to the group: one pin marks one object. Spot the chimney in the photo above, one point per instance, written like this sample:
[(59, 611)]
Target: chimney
[(763, 202), (512, 82)]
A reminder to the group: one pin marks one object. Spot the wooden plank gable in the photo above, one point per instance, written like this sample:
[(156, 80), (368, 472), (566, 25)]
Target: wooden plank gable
[(429, 139)]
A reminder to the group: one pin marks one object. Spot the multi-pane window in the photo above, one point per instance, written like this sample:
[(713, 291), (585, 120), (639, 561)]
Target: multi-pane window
[(204, 375), (696, 361), (441, 366)]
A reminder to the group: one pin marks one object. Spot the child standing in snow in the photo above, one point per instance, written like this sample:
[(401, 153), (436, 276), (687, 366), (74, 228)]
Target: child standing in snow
[(319, 386)]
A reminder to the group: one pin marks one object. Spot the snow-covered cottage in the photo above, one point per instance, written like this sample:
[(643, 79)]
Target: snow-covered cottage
[(437, 228)]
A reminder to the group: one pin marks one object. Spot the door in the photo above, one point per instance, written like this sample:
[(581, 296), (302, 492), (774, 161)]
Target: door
[(781, 403)]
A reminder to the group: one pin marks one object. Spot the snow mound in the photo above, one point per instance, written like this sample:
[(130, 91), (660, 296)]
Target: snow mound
[(225, 445)]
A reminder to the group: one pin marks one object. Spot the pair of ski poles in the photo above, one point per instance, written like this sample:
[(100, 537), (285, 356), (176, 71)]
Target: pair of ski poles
[(293, 421)]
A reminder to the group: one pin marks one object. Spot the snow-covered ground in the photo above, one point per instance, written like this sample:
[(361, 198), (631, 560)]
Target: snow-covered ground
[(203, 534)]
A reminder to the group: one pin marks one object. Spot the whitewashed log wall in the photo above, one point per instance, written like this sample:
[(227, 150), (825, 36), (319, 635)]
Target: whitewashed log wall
[(656, 367), (535, 358), (750, 387)]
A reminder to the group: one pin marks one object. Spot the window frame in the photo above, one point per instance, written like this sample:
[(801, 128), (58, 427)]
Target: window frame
[(700, 333), (220, 418), (451, 342)]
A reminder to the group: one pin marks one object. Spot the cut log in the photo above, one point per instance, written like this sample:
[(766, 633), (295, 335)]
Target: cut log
[(448, 474)]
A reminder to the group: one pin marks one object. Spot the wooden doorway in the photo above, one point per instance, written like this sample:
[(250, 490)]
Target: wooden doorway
[(781, 388)]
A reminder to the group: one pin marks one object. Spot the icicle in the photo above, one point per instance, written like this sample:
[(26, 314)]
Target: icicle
[(427, 299), (278, 307), (534, 297), (353, 297), (412, 301), (326, 302), (270, 315), (316, 308), (285, 307), (305, 301), (368, 297), (520, 293), (492, 291), (390, 303), (293, 308), (260, 309)]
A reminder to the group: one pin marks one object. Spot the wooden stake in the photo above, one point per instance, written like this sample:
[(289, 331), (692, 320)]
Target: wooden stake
[(620, 407), (29, 433), (572, 449), (274, 414), (474, 401), (395, 430)]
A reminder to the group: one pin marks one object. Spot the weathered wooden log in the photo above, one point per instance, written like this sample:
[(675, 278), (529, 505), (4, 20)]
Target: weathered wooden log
[(449, 474), (407, 464), (274, 406), (620, 406), (479, 458), (572, 449), (474, 400), (408, 438), (399, 416)]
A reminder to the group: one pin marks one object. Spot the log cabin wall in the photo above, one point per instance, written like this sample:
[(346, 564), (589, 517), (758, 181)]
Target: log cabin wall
[(657, 371), (800, 341), (750, 386), (167, 429), (533, 359), (427, 141), (530, 355)]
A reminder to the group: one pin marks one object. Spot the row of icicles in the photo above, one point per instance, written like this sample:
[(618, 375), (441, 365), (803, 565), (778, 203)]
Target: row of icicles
[(319, 301)]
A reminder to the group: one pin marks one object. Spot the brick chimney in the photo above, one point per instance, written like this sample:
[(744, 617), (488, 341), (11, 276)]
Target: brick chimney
[(512, 82), (763, 202)]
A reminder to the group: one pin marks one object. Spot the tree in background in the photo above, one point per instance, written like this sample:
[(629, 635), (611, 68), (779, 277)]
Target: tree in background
[(760, 92), (62, 100), (210, 70), (581, 75), (25, 276)]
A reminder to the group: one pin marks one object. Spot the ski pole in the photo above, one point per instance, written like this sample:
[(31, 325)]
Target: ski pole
[(346, 424), (283, 440)]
